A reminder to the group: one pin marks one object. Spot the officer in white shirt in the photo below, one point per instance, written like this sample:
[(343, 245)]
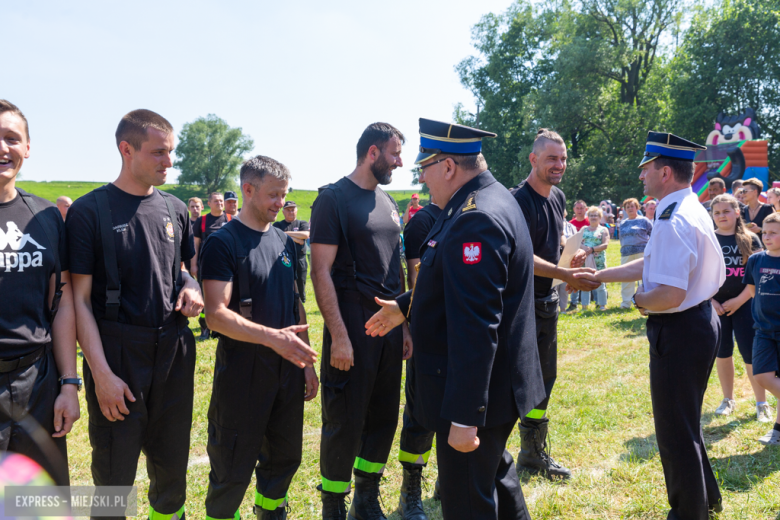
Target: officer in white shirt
[(681, 271)]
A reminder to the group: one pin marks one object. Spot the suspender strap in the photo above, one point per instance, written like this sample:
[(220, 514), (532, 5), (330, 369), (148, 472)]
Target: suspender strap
[(177, 277), (244, 294), (203, 224), (113, 285), (54, 243), (342, 213)]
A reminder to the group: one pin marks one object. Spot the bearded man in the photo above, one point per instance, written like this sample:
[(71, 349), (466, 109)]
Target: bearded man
[(355, 256)]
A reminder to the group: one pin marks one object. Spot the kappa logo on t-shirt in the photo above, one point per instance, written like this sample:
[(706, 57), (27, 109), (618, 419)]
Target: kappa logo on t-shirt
[(15, 240), (285, 259)]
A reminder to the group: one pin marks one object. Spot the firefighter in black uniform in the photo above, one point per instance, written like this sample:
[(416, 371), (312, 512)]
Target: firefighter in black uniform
[(355, 241), (132, 298), (681, 271), (298, 230), (472, 317), (263, 355), (416, 440), (38, 353), (543, 205)]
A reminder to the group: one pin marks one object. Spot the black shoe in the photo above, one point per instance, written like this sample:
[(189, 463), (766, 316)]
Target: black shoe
[(410, 502), (533, 457), (204, 334), (333, 505), (570, 308), (365, 504), (280, 513), (437, 490)]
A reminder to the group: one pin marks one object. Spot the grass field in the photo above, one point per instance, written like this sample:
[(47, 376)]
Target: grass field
[(602, 428), (304, 198)]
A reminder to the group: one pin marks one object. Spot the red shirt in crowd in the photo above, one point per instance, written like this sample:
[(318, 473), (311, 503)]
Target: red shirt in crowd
[(579, 224), (413, 210)]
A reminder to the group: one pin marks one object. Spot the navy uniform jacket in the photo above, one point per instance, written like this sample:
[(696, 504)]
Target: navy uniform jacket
[(472, 314)]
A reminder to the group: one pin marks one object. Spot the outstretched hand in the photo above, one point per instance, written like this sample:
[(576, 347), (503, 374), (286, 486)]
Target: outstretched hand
[(583, 279), (579, 259), (386, 319)]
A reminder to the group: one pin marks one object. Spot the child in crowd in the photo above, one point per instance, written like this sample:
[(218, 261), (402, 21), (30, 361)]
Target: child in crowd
[(732, 303), (762, 277), (595, 240)]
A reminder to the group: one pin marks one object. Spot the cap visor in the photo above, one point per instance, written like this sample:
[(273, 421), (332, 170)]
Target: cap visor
[(647, 160), (422, 157)]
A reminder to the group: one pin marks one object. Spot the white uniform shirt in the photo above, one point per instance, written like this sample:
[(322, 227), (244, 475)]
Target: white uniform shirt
[(683, 251)]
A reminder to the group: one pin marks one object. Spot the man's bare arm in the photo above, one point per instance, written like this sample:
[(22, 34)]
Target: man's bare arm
[(630, 272), (300, 235), (322, 258), (545, 269), (284, 342), (63, 338), (662, 298)]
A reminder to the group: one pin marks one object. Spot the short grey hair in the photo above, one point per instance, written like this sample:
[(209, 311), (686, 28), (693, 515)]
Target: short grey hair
[(255, 169)]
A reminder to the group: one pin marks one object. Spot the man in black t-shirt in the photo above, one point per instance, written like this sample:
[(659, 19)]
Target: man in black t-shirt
[(132, 297), (263, 353), (203, 227), (207, 224), (356, 257), (416, 440), (298, 230), (543, 206), (35, 348)]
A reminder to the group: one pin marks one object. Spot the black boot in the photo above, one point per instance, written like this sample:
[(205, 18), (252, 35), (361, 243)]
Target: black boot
[(280, 513), (411, 493), (437, 490), (333, 506), (204, 330), (533, 456), (365, 504)]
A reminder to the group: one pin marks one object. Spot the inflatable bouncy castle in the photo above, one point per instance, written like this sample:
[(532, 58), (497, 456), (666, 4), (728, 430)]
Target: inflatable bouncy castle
[(734, 151)]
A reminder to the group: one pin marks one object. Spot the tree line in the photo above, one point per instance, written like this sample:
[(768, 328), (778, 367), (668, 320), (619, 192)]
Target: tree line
[(604, 72)]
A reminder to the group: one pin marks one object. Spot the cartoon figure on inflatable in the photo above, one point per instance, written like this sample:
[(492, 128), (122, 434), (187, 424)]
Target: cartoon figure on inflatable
[(733, 152)]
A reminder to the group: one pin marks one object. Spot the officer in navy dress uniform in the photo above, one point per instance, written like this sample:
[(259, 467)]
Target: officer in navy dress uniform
[(681, 271), (472, 321)]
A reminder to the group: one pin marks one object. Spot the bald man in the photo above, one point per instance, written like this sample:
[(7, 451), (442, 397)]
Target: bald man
[(63, 203)]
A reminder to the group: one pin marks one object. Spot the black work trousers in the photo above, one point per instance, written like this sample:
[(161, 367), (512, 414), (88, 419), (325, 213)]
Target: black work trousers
[(683, 346), (158, 364), (255, 422), (546, 315), (32, 391), (482, 484), (359, 405), (416, 440), (301, 278)]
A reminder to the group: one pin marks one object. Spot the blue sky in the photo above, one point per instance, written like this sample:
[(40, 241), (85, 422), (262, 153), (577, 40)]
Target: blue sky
[(303, 79)]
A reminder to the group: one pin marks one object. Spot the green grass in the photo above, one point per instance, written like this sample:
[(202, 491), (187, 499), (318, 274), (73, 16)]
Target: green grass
[(601, 428), (304, 198)]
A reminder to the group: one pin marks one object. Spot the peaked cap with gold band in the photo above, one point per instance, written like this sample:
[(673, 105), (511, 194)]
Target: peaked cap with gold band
[(660, 144), (437, 137)]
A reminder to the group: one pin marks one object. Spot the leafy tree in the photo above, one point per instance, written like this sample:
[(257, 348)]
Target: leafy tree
[(210, 153)]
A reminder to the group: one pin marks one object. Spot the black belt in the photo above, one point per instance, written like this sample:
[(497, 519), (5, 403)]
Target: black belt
[(10, 365)]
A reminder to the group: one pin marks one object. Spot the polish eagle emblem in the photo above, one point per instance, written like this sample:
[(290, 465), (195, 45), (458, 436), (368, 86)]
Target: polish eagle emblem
[(472, 252)]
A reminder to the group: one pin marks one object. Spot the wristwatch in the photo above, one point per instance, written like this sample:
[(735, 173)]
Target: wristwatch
[(71, 381), (633, 300)]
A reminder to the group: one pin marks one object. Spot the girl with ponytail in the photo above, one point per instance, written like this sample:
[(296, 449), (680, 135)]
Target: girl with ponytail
[(732, 303)]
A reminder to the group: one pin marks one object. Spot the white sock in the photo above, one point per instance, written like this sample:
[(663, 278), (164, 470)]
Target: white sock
[(760, 403)]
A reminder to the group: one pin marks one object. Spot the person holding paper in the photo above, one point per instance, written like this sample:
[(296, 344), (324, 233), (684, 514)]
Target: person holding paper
[(543, 206)]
